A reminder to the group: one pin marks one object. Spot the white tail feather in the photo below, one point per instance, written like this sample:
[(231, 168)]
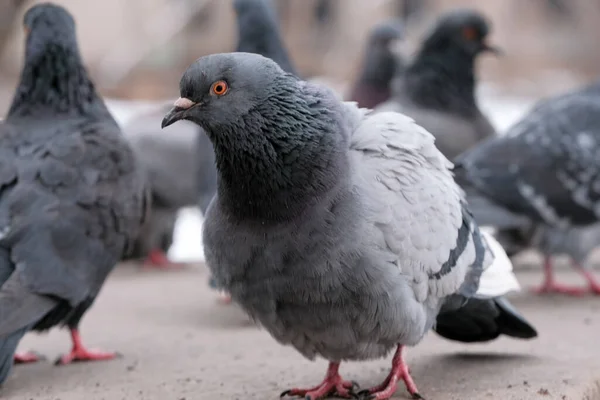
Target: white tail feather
[(498, 279)]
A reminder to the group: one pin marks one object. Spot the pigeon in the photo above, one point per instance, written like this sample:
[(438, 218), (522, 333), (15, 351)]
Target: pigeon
[(258, 32), (72, 197), (437, 88), (359, 207), (379, 66), (541, 177), (176, 166), (181, 173)]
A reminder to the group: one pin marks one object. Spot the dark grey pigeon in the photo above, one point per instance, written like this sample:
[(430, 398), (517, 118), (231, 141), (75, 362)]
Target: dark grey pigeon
[(380, 65), (258, 32), (180, 167), (72, 198), (437, 89), (342, 232), (542, 176)]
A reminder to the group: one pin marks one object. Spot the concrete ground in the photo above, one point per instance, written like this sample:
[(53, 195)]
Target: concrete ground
[(179, 344)]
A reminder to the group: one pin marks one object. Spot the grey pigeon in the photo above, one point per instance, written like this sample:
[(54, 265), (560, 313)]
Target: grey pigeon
[(72, 198), (179, 163), (380, 65), (437, 89), (342, 232), (542, 177)]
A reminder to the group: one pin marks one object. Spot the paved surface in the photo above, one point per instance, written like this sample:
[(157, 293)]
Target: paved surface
[(178, 343)]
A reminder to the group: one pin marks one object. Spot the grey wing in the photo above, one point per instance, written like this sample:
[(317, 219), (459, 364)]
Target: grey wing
[(420, 212), (74, 207)]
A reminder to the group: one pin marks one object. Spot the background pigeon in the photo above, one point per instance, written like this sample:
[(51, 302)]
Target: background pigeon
[(542, 172), (437, 89), (72, 198), (380, 65), (181, 173), (360, 209), (182, 158), (258, 32)]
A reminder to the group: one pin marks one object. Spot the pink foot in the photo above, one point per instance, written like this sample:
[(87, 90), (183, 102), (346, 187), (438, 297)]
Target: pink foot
[(386, 389), (553, 287), (332, 385), (158, 260), (80, 353), (28, 358), (224, 298)]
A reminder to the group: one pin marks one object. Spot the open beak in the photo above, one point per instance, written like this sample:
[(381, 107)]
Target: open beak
[(492, 49), (181, 106)]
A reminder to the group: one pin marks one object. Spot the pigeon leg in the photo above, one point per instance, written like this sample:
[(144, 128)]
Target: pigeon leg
[(224, 298), (332, 385), (159, 260), (593, 284), (27, 358), (80, 353), (551, 286), (386, 389)]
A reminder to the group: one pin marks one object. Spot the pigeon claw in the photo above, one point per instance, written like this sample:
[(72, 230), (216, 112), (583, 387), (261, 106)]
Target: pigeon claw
[(28, 358), (332, 385), (558, 288), (80, 353), (157, 259), (386, 389)]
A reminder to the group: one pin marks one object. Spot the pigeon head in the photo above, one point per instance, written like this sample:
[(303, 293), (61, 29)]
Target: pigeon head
[(462, 30), (53, 75), (258, 32), (220, 89), (386, 34), (48, 27), (275, 137)]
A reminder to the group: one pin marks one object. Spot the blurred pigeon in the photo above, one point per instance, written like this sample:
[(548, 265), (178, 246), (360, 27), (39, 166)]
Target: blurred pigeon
[(72, 198), (437, 89), (182, 160), (181, 173), (379, 66), (258, 32), (542, 177), (341, 231)]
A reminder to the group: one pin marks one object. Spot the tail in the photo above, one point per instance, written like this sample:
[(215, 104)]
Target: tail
[(487, 315), (8, 347), (498, 278), (482, 320), (20, 310)]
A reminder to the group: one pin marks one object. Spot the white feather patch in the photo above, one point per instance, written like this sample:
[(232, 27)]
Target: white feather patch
[(498, 279)]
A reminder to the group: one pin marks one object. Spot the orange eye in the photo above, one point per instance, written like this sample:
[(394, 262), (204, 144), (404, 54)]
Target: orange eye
[(219, 88), (27, 30), (469, 33)]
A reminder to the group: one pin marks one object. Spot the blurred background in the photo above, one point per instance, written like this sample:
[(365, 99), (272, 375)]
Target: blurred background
[(137, 49)]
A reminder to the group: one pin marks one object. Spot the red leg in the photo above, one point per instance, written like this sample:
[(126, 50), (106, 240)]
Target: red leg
[(80, 353), (157, 259), (224, 298), (593, 284), (332, 385), (27, 358), (551, 286), (387, 388)]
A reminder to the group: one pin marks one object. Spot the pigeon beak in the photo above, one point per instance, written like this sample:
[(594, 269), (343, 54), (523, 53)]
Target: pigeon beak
[(181, 106), (492, 49)]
